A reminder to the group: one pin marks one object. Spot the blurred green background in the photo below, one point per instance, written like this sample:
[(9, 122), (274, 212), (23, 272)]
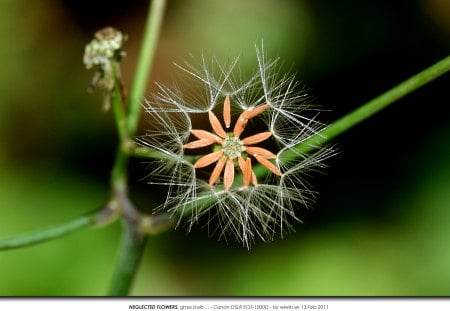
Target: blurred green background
[(381, 222)]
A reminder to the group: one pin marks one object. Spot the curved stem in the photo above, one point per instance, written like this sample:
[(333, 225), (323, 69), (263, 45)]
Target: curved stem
[(370, 108), (145, 61), (50, 233)]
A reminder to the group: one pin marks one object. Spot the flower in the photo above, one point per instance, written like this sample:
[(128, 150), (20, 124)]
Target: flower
[(232, 147), (248, 201), (101, 54), (105, 47)]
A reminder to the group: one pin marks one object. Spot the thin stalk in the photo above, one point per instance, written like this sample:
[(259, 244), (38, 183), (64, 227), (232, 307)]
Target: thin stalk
[(118, 105), (145, 152), (120, 166), (133, 241), (145, 62), (50, 233), (130, 253), (119, 172), (370, 108)]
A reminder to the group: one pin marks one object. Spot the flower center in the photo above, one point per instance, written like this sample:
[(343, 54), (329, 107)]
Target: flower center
[(232, 147)]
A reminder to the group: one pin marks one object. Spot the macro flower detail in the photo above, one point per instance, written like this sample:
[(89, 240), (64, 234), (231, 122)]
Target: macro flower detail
[(229, 148), (233, 147)]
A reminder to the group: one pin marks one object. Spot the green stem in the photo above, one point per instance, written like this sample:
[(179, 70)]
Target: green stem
[(119, 172), (130, 253), (145, 152), (370, 108), (133, 241), (118, 105), (50, 233), (131, 249), (145, 61), (120, 167)]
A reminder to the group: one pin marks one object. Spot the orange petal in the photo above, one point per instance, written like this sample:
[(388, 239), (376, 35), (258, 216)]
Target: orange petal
[(242, 165), (228, 176), (255, 111), (227, 111), (254, 180), (258, 151), (240, 125), (208, 159), (257, 138), (199, 143), (201, 134), (217, 127), (217, 171), (269, 165), (247, 172)]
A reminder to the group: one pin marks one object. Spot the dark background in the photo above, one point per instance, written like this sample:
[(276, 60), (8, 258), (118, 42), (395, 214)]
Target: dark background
[(380, 223)]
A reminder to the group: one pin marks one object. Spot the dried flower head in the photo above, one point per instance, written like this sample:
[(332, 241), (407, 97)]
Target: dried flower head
[(100, 54), (105, 47), (231, 169)]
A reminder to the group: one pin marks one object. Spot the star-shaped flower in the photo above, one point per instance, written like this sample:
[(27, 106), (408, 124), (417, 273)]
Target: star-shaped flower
[(232, 148), (233, 202)]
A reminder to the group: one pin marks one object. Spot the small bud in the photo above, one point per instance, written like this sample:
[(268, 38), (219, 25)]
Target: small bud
[(104, 48), (101, 54)]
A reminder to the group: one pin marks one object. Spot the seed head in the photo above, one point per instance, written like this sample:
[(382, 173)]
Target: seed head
[(230, 169)]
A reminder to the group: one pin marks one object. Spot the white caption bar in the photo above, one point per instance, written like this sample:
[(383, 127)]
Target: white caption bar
[(225, 304)]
